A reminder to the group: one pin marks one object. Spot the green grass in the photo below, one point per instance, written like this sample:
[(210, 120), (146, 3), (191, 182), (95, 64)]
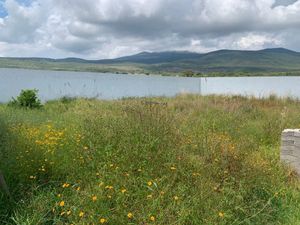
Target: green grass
[(194, 160), (71, 66)]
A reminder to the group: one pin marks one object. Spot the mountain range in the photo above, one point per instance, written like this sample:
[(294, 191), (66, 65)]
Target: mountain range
[(224, 61)]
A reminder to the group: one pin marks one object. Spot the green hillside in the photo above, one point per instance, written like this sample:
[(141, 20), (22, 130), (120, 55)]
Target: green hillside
[(278, 61), (271, 60)]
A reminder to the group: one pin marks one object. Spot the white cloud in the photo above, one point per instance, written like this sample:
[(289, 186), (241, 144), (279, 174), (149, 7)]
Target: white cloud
[(110, 28), (256, 41)]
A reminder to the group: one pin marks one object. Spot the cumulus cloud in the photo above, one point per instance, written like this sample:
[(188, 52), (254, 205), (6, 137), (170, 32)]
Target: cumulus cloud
[(111, 28)]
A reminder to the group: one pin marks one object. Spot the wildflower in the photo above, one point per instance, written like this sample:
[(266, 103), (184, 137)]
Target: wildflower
[(221, 214), (81, 214), (152, 218), (149, 183), (69, 212), (109, 187), (94, 198), (140, 170), (59, 195), (78, 189), (85, 148), (63, 213), (103, 220), (123, 191), (62, 203), (130, 215), (66, 185), (176, 198), (173, 168)]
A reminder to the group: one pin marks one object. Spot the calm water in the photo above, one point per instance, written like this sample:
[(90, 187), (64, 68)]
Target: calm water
[(56, 84)]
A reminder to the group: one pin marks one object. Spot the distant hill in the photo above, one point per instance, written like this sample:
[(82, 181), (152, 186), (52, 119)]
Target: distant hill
[(155, 57), (278, 59), (224, 61)]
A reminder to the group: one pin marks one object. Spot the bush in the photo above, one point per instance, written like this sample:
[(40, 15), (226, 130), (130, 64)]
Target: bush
[(27, 99)]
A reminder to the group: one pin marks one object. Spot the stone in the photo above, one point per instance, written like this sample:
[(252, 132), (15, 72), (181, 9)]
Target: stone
[(290, 149)]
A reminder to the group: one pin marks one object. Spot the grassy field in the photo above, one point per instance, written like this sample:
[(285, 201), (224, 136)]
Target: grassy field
[(190, 160), (71, 66)]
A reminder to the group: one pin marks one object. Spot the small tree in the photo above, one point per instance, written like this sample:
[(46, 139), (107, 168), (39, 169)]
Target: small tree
[(188, 73), (27, 99)]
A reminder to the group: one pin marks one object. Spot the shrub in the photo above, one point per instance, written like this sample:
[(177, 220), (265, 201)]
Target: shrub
[(27, 99)]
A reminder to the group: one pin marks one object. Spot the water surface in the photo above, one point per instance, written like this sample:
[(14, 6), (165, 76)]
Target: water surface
[(56, 84)]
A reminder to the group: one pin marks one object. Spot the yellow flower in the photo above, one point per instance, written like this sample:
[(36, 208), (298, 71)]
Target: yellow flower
[(66, 185), (85, 148), (176, 198), (130, 215), (173, 168), (109, 187), (94, 198), (103, 220), (62, 203), (69, 212), (123, 191), (81, 214), (221, 214), (78, 189), (149, 183), (140, 170), (152, 218)]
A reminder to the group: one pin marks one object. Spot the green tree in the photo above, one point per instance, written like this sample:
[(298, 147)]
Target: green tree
[(27, 99)]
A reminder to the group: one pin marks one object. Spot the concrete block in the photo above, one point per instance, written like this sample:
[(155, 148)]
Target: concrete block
[(290, 148)]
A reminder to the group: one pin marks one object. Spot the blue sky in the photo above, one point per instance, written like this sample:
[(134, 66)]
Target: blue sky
[(3, 11)]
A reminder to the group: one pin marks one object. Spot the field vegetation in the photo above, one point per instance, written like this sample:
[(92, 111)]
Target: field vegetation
[(183, 160)]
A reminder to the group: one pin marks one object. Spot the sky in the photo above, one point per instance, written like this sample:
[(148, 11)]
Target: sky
[(96, 29)]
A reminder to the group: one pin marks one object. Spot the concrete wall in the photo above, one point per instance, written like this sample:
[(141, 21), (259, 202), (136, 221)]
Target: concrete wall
[(290, 148)]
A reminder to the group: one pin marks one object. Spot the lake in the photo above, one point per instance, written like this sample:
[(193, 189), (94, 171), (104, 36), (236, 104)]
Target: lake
[(56, 84)]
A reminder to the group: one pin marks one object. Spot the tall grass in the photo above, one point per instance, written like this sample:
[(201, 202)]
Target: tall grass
[(184, 160)]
